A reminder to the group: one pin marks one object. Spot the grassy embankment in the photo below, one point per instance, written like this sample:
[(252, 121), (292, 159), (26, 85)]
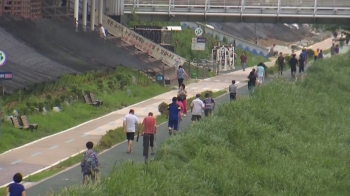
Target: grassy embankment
[(286, 139)]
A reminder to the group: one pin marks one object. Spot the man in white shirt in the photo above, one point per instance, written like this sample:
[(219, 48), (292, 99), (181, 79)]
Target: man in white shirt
[(130, 123), (261, 74), (102, 31), (197, 106)]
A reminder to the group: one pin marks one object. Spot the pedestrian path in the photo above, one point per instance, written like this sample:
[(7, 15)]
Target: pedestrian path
[(46, 152)]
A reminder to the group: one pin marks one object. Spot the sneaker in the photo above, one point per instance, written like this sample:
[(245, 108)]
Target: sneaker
[(184, 114)]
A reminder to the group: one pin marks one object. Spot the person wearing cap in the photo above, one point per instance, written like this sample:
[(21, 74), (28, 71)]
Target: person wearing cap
[(15, 188), (197, 106), (149, 130), (130, 123), (173, 116)]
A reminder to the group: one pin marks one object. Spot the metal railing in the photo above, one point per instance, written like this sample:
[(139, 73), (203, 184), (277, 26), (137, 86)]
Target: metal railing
[(283, 8)]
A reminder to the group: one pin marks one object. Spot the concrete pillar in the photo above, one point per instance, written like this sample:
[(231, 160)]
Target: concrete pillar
[(92, 14), (84, 13), (76, 11), (100, 12)]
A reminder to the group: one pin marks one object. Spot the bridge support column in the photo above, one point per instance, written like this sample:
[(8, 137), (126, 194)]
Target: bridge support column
[(100, 12), (92, 14), (76, 12), (84, 14)]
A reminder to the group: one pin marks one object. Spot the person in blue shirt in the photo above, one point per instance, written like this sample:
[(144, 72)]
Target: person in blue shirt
[(302, 60), (320, 55), (15, 188), (173, 116)]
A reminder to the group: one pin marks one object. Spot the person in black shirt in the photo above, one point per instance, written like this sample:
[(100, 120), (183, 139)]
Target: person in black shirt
[(293, 65), (280, 62), (252, 81)]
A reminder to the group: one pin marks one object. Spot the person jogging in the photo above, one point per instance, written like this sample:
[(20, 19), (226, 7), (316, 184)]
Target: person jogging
[(209, 105), (232, 89), (280, 63), (173, 116), (89, 164), (293, 65), (130, 123), (149, 131), (197, 106)]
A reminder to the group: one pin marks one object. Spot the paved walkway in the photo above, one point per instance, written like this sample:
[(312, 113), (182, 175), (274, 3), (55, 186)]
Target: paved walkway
[(46, 152)]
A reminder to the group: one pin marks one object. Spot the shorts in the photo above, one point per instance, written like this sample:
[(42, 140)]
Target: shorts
[(196, 117), (260, 79), (130, 136), (151, 139), (207, 112), (173, 124), (233, 96)]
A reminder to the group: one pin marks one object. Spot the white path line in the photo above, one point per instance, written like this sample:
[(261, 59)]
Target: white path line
[(35, 154), (15, 162), (53, 147), (68, 141)]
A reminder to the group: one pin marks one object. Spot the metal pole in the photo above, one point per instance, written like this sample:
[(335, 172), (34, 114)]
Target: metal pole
[(84, 13), (100, 12), (76, 12), (92, 14)]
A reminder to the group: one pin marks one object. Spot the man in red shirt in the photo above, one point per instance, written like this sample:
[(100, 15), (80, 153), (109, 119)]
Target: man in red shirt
[(244, 60), (149, 129)]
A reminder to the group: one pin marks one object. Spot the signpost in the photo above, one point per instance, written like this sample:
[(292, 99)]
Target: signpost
[(198, 43), (3, 76), (198, 31)]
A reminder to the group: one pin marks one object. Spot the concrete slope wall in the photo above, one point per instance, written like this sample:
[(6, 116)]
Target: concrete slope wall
[(240, 43)]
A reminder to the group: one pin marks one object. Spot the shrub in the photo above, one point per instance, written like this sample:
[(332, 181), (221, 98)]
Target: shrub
[(162, 108), (310, 53)]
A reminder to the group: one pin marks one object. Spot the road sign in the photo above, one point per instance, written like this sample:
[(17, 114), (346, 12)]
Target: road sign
[(198, 31), (198, 43), (6, 75), (2, 58)]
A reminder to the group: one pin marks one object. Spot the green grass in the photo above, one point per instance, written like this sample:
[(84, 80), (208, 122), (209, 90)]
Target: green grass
[(286, 139), (77, 112), (108, 140)]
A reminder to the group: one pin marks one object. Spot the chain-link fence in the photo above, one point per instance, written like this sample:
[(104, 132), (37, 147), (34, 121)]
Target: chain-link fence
[(201, 69)]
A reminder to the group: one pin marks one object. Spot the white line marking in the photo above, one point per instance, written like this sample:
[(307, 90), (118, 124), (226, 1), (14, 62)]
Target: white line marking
[(15, 162), (217, 80), (69, 140), (36, 154), (0, 168), (98, 130), (84, 135), (112, 123), (53, 147)]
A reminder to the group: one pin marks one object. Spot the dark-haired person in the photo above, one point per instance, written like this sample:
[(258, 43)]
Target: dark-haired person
[(89, 164), (251, 81), (280, 62), (182, 94), (15, 188), (179, 102), (130, 124), (209, 105), (149, 130), (302, 60), (173, 116), (293, 65), (197, 106), (232, 89), (181, 73)]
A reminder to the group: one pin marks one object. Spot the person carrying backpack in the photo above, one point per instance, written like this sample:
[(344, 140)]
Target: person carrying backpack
[(209, 105), (89, 164)]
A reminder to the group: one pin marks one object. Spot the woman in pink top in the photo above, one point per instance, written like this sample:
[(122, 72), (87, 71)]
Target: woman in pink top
[(179, 102), (244, 60), (183, 94)]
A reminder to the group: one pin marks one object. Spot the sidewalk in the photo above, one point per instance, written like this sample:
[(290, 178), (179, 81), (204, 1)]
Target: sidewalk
[(46, 152)]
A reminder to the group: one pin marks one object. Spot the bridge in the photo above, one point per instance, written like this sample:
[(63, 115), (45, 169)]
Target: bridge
[(249, 11)]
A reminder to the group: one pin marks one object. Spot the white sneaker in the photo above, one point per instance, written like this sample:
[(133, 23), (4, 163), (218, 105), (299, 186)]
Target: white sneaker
[(184, 114)]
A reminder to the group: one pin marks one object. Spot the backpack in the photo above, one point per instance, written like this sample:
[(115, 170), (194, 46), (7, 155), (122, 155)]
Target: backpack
[(208, 104), (88, 165)]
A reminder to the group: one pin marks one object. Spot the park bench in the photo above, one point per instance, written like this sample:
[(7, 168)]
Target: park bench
[(93, 99), (88, 101), (17, 124), (25, 123)]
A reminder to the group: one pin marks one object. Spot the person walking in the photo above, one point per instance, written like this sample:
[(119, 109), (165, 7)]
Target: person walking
[(209, 105), (260, 73), (280, 62), (332, 49), (244, 60), (316, 52), (336, 49), (252, 81), (320, 55), (232, 89), (178, 102), (89, 164), (197, 106), (130, 123), (149, 131), (173, 116), (293, 65), (102, 32), (182, 94), (15, 188), (181, 73), (302, 60)]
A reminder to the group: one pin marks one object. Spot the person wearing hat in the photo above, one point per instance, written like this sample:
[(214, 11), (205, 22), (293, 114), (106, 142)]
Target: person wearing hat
[(130, 123), (149, 130)]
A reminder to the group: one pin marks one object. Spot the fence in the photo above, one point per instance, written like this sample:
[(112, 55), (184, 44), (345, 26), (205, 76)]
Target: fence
[(23, 8)]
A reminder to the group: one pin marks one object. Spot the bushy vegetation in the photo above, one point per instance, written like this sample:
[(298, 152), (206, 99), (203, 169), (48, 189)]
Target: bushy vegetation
[(286, 139), (117, 89)]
